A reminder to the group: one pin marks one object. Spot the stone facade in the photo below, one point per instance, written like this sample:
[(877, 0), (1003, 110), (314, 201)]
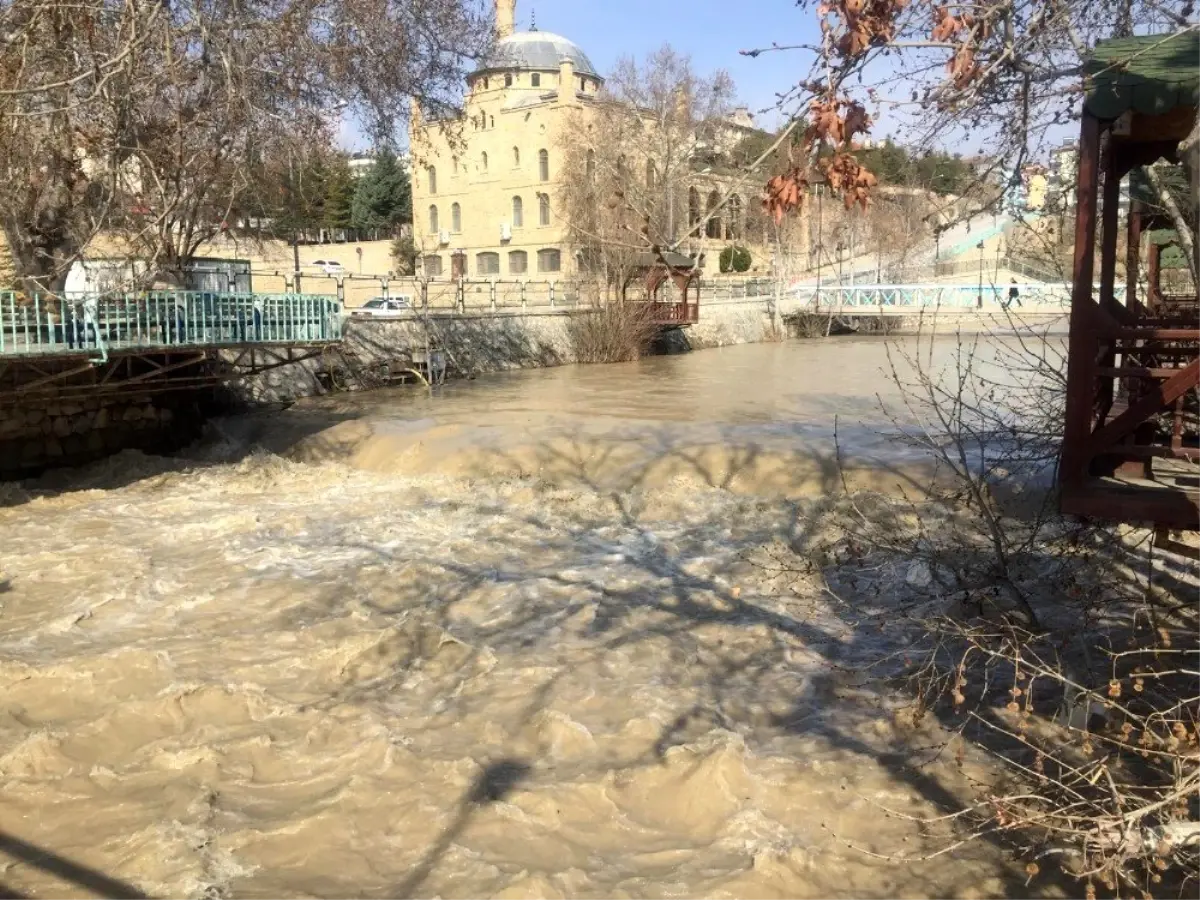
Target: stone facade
[(50, 433)]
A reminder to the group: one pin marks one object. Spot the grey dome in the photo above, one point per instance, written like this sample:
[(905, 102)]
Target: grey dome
[(537, 50)]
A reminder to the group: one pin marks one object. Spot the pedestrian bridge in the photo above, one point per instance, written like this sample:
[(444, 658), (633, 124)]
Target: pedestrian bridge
[(98, 327), (1035, 297)]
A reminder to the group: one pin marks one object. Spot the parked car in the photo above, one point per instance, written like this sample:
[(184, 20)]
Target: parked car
[(384, 307), (328, 266)]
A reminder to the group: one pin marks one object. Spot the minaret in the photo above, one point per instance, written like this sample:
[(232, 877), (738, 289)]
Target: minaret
[(506, 11)]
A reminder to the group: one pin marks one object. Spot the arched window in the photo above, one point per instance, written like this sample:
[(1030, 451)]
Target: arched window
[(543, 165), (591, 163), (549, 260), (483, 161), (508, 79), (713, 229), (649, 174), (455, 218), (735, 217), (518, 216), (491, 121), (487, 263), (432, 180), (518, 262), (693, 207), (543, 209), (516, 156), (536, 79), (433, 219)]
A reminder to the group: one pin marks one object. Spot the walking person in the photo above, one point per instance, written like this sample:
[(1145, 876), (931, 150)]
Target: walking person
[(1014, 295)]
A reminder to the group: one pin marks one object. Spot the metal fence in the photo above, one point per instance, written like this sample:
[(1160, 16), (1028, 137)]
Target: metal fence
[(41, 325), (926, 296)]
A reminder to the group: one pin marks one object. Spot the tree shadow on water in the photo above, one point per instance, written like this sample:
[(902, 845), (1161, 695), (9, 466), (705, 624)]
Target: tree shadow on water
[(59, 866), (495, 782)]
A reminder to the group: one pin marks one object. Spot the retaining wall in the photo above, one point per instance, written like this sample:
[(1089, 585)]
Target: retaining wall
[(47, 434)]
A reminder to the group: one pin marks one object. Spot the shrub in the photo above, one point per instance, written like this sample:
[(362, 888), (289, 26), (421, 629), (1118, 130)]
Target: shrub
[(734, 259), (617, 331)]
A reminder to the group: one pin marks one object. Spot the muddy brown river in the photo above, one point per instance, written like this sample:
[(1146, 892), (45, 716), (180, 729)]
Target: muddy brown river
[(515, 639)]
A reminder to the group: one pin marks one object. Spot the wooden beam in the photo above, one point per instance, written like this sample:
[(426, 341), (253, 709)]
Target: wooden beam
[(1081, 348), (1169, 507), (1151, 403)]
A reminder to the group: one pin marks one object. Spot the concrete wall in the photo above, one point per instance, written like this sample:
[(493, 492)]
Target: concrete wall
[(50, 433)]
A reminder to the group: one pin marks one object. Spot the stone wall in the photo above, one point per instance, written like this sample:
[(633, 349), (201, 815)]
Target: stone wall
[(48, 433)]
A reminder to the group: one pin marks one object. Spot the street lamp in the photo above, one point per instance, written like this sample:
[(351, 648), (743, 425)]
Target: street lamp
[(979, 296)]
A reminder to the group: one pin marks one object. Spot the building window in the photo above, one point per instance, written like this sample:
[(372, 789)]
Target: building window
[(508, 80), (487, 263), (432, 180), (432, 265), (693, 207), (543, 209), (536, 80), (591, 164), (491, 121), (433, 219), (544, 165), (455, 218), (454, 163), (516, 156), (483, 161), (518, 262), (649, 174), (548, 260), (714, 222), (582, 84), (485, 82), (518, 216)]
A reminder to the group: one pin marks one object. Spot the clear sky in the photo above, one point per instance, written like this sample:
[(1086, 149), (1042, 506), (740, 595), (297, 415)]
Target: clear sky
[(710, 31)]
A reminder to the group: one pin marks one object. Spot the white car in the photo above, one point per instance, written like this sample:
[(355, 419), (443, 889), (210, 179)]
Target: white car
[(384, 307), (328, 266)]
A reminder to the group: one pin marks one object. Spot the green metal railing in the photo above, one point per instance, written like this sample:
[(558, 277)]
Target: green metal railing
[(96, 326)]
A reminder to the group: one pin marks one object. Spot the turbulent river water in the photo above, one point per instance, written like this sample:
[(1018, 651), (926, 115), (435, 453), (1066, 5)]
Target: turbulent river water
[(515, 639)]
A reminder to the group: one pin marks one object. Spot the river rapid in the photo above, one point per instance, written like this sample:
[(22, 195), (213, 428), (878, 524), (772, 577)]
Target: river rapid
[(525, 637)]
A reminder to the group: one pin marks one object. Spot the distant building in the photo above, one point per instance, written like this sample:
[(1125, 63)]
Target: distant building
[(360, 163), (486, 204), (1060, 191)]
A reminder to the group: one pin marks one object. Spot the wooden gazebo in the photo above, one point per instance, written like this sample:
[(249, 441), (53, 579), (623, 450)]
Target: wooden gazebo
[(1130, 449), (660, 268)]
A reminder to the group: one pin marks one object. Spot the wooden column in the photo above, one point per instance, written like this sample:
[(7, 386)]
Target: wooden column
[(1133, 248), (1081, 352), (1109, 225), (1154, 277)]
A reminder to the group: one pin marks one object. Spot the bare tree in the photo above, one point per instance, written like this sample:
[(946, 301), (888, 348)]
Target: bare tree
[(143, 117), (653, 165)]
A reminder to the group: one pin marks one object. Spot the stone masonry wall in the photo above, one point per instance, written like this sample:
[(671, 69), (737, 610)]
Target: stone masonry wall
[(48, 433), (479, 343)]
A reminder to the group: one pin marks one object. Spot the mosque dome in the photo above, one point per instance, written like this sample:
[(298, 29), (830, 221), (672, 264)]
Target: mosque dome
[(539, 51)]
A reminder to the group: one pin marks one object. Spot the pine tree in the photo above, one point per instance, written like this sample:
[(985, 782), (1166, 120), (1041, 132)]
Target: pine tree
[(339, 195), (383, 196)]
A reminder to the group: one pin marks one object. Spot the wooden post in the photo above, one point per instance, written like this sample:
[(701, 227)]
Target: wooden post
[(1133, 248), (1109, 226), (1154, 277), (1081, 353)]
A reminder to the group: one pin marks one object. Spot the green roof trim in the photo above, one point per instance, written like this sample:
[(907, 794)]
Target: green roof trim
[(1151, 74), (1162, 236), (1172, 258)]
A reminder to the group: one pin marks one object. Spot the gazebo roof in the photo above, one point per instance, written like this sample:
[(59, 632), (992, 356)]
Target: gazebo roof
[(1150, 74)]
